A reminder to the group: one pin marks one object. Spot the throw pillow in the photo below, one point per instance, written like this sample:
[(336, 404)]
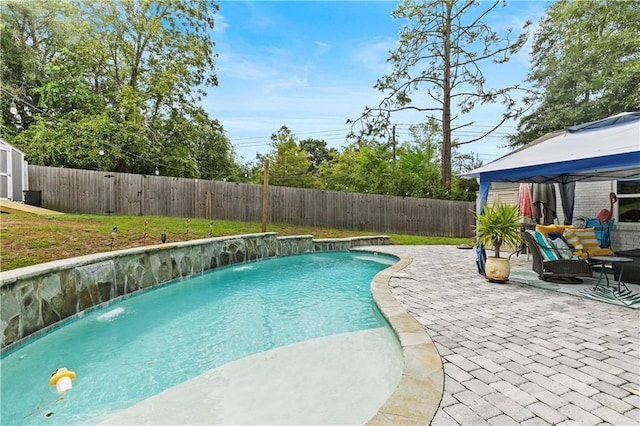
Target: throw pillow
[(545, 230), (573, 239), (554, 235), (548, 252), (588, 238), (562, 248)]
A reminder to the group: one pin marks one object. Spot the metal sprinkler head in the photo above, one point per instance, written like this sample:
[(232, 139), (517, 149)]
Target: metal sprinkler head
[(114, 235)]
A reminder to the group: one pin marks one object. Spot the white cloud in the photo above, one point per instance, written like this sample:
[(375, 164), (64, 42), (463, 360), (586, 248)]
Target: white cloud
[(220, 24), (285, 84), (528, 11), (321, 47), (259, 15), (241, 67), (373, 55)]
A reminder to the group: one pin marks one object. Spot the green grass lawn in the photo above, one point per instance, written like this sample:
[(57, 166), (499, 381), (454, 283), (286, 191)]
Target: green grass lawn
[(28, 240)]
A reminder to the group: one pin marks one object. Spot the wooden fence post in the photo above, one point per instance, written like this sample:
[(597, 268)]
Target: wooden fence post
[(209, 205), (265, 195)]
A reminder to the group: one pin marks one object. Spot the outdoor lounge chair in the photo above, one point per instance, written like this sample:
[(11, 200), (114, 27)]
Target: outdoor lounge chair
[(588, 242), (551, 267)]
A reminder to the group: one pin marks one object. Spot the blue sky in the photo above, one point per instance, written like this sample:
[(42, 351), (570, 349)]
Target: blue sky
[(311, 65)]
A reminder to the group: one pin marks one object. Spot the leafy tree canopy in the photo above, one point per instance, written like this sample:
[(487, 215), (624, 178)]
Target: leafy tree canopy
[(317, 152), (586, 65), (119, 77), (288, 163)]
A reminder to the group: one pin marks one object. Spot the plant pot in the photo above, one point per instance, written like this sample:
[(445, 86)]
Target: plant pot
[(497, 269)]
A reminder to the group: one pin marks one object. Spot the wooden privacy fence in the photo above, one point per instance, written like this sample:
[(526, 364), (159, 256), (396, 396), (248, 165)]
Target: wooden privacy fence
[(93, 192)]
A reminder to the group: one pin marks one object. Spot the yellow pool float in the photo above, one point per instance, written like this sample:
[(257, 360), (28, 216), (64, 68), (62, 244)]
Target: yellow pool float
[(61, 379)]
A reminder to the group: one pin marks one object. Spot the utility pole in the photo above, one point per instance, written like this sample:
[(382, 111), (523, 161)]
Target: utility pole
[(393, 141), (265, 195)]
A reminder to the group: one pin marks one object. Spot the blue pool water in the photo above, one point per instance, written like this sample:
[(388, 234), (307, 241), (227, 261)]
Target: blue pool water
[(142, 345)]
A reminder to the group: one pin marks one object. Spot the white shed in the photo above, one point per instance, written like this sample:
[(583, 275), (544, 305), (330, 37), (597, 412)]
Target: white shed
[(14, 178)]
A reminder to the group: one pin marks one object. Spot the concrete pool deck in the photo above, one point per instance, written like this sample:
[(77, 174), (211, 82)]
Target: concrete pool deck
[(517, 354)]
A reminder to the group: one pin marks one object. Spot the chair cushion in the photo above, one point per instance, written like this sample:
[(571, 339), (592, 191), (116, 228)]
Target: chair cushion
[(546, 229), (546, 248), (584, 254)]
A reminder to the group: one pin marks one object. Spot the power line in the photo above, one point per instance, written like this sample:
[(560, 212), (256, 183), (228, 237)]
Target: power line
[(329, 133), (258, 142), (15, 97), (337, 133), (471, 125)]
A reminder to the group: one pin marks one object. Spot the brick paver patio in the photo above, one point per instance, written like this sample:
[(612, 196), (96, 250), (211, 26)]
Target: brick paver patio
[(516, 354)]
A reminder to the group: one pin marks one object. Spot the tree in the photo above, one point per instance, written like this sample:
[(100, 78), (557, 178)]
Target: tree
[(417, 169), (160, 51), (288, 163), (440, 55), (586, 64), (373, 170), (317, 152), (122, 77), (337, 173), (367, 165), (207, 152), (31, 38)]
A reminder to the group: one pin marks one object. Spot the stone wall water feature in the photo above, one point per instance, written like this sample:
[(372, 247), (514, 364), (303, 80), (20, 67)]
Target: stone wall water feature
[(37, 297)]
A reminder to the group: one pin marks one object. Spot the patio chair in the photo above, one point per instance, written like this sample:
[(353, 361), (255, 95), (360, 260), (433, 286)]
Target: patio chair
[(550, 265), (586, 241)]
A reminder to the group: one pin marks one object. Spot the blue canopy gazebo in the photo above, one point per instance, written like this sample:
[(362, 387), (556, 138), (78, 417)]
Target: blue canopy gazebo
[(607, 149)]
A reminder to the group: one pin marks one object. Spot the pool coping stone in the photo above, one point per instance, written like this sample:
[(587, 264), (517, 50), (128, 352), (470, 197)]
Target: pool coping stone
[(417, 396)]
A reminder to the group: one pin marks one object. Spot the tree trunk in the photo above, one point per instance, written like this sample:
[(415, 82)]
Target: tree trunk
[(445, 164)]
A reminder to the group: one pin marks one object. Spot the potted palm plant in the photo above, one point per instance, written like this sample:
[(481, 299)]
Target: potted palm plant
[(498, 225)]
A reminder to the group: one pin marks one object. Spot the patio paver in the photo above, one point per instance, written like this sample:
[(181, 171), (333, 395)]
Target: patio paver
[(517, 354)]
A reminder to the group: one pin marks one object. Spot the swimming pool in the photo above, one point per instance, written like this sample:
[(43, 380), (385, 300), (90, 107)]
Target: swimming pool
[(138, 347)]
